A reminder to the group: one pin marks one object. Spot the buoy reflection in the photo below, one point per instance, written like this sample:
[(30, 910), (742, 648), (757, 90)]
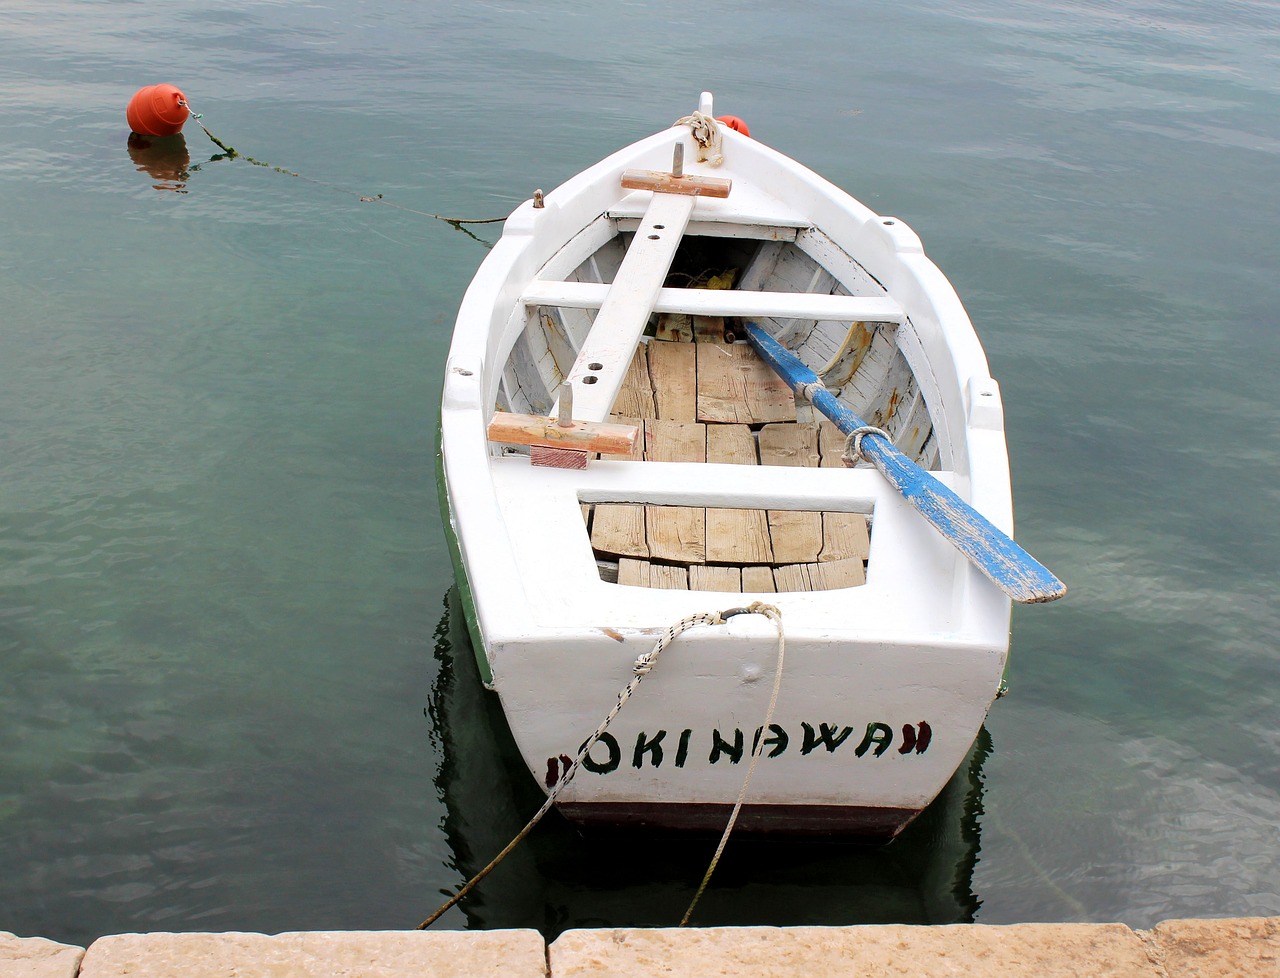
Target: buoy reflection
[(165, 158)]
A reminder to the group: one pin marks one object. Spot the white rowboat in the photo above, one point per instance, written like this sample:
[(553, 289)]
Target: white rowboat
[(689, 474)]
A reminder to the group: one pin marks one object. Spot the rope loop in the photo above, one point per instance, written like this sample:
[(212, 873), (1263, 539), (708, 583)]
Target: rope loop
[(706, 133), (853, 444)]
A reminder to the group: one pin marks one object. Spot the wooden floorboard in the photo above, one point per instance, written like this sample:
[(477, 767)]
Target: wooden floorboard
[(698, 402)]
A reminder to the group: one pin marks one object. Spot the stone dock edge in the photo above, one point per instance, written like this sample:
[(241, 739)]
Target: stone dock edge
[(1239, 947)]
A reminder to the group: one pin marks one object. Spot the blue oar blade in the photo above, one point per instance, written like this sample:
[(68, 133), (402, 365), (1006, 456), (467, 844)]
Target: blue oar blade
[(991, 550)]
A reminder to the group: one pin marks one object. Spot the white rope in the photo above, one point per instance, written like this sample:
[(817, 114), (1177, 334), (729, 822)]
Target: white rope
[(853, 444), (774, 615), (640, 668), (706, 133)]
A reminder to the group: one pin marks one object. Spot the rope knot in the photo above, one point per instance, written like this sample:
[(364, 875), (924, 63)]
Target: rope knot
[(706, 133), (853, 444)]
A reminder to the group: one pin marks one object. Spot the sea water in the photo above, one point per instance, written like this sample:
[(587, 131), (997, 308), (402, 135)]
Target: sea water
[(234, 689)]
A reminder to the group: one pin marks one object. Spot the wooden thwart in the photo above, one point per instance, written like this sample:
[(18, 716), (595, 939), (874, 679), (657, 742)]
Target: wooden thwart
[(667, 183), (582, 436)]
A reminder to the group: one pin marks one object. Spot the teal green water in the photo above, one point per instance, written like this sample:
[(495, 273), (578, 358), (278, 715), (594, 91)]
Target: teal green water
[(233, 693)]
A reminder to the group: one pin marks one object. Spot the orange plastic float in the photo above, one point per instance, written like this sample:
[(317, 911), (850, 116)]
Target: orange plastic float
[(157, 110), (734, 123)]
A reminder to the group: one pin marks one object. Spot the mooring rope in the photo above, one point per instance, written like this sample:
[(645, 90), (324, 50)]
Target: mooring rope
[(642, 666), (233, 154), (774, 615), (706, 133)]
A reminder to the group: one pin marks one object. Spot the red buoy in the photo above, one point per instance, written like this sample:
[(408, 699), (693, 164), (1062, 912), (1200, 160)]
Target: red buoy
[(734, 123), (157, 110)]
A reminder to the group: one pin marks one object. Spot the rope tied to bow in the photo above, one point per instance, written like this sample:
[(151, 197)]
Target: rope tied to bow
[(707, 136)]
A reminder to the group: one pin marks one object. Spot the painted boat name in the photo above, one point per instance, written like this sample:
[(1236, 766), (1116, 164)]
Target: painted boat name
[(606, 753)]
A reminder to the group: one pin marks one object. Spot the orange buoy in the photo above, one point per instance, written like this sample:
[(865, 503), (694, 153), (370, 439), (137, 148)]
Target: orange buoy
[(157, 110), (734, 123)]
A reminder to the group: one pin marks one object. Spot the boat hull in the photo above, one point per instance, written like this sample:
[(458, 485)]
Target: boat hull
[(884, 685)]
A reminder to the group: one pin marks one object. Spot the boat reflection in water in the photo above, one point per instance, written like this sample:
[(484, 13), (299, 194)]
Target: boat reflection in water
[(561, 878)]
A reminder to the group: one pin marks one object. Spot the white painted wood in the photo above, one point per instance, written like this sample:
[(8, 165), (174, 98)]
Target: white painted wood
[(727, 302), (601, 365), (543, 612)]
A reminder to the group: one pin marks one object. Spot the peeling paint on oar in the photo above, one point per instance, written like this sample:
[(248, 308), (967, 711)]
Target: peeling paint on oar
[(991, 550)]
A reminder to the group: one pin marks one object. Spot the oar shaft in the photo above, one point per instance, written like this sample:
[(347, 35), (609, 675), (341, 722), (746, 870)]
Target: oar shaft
[(990, 549)]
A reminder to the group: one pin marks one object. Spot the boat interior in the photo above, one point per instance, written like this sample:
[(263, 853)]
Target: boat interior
[(699, 393)]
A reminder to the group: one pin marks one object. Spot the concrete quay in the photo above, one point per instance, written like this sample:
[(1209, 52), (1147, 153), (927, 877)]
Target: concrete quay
[(1232, 948)]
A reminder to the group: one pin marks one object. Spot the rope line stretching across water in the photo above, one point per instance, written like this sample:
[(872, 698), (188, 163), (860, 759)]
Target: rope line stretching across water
[(232, 153), (643, 665)]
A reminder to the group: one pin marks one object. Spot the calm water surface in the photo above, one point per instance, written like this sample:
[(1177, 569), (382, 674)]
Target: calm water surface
[(233, 689)]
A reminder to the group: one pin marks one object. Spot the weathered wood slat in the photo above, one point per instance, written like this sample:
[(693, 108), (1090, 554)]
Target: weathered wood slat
[(708, 329), (674, 441), (844, 535), (738, 536), (673, 373), (667, 183), (584, 436), (635, 396), (837, 574), (735, 385), (710, 577), (634, 572), (796, 537), (758, 579), (618, 528), (637, 451), (792, 577), (669, 576), (831, 442), (729, 302), (677, 533), (731, 443), (789, 444)]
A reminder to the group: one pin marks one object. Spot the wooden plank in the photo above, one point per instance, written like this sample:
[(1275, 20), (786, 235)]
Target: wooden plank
[(796, 537), (757, 579), (831, 442), (677, 533), (732, 443), (792, 577), (558, 458), (673, 371), (711, 577), (674, 327), (635, 396), (601, 366), (736, 385), (844, 535), (738, 536), (618, 528), (637, 451), (834, 574), (662, 182), (789, 444), (583, 436), (742, 302), (633, 572), (674, 441), (668, 576), (708, 329)]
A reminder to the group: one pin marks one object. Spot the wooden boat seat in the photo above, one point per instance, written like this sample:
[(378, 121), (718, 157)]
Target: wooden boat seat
[(727, 302)]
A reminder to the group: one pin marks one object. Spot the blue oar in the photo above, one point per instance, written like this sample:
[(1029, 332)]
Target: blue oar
[(1010, 568)]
